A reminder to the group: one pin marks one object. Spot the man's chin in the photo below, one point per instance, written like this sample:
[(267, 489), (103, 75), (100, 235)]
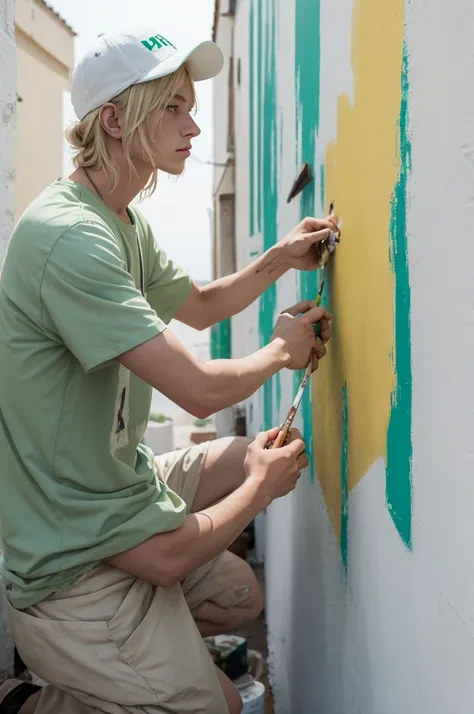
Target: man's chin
[(173, 169), (176, 171)]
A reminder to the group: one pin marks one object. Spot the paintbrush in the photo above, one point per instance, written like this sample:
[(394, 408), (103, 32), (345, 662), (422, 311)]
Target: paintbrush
[(286, 426)]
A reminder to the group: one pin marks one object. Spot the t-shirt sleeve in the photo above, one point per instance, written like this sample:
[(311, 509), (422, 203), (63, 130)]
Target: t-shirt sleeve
[(168, 284), (90, 300)]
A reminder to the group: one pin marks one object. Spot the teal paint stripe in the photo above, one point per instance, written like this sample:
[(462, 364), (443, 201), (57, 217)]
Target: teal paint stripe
[(269, 191), (264, 166), (322, 187), (344, 477), (308, 66), (221, 340), (260, 124), (252, 120), (399, 439), (307, 91)]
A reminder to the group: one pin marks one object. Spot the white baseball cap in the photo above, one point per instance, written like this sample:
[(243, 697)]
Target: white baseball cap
[(116, 62)]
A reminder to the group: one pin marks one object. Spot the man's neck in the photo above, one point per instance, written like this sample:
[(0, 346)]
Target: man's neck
[(127, 188)]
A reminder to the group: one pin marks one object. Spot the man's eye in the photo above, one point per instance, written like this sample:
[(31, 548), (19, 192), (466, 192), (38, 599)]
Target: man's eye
[(172, 108)]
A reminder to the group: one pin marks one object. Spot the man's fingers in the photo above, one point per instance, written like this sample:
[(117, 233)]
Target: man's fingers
[(316, 314), (293, 435), (314, 362), (300, 307), (312, 225), (302, 461), (264, 437), (319, 349), (324, 332), (318, 236), (295, 448)]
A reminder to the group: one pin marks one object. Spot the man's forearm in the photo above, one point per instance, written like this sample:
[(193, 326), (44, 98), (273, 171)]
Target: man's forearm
[(167, 558), (203, 388), (232, 381), (231, 294), (206, 534)]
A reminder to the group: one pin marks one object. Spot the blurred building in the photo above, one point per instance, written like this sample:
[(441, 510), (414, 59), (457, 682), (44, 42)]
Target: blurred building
[(224, 243), (45, 55)]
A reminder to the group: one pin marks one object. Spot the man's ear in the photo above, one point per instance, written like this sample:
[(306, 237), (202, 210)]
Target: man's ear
[(110, 120)]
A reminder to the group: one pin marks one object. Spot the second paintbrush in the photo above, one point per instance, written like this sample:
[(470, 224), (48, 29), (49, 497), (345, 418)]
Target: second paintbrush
[(287, 424)]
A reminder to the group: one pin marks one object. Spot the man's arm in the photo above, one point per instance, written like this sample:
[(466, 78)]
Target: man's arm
[(231, 294), (165, 559), (204, 388), (223, 298)]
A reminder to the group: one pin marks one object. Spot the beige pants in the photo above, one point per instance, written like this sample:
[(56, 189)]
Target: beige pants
[(112, 643)]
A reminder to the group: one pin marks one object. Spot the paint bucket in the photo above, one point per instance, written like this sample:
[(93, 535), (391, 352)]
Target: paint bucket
[(253, 698)]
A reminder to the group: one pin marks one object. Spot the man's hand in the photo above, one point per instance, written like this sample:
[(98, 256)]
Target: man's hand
[(275, 472), (166, 558), (303, 245), (297, 332)]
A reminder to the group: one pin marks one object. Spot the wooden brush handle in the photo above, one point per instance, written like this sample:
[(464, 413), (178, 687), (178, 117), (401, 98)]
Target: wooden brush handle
[(280, 440)]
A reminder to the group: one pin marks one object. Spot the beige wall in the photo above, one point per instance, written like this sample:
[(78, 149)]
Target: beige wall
[(44, 62)]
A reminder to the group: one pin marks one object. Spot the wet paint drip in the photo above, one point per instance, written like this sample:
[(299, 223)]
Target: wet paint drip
[(399, 439), (307, 72), (344, 477), (322, 186)]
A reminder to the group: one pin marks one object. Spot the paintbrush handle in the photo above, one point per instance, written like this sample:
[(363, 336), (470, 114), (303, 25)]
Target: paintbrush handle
[(281, 438), (286, 426)]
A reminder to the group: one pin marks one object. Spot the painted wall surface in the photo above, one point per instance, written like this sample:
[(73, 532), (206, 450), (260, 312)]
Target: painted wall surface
[(44, 62), (369, 581), (7, 133)]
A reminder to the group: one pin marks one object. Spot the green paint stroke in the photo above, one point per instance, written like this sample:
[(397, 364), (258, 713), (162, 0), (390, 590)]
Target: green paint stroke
[(264, 153), (307, 71), (344, 476), (399, 442)]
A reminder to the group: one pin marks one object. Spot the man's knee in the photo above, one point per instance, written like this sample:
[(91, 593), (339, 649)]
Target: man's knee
[(223, 471), (245, 597), (228, 595), (231, 448), (256, 600)]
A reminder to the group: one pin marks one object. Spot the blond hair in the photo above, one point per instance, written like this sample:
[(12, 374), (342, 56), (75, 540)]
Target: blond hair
[(135, 104)]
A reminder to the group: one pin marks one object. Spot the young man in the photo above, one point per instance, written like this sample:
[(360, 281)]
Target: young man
[(116, 564)]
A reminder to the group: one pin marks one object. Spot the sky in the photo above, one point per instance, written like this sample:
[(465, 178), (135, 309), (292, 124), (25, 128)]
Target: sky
[(180, 211)]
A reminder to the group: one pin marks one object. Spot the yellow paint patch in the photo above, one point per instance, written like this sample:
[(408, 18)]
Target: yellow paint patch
[(361, 171)]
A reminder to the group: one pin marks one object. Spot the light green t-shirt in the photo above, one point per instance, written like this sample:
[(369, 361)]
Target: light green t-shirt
[(78, 288)]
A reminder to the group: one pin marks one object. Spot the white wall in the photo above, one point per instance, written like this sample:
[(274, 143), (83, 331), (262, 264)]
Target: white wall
[(7, 120), (387, 627)]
